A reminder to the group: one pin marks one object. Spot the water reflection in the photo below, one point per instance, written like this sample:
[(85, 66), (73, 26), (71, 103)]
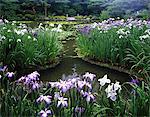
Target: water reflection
[(67, 63)]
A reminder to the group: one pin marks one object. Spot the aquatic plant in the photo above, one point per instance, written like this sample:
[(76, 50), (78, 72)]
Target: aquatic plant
[(45, 113), (22, 47), (81, 98), (124, 43)]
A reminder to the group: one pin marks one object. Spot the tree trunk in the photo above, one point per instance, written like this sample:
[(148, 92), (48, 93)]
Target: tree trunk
[(33, 9), (45, 10)]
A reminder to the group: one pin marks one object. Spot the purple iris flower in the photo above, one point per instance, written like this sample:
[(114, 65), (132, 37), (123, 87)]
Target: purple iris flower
[(46, 99), (81, 84), (88, 95), (45, 113), (79, 109), (85, 30), (64, 86), (31, 81), (74, 80), (10, 74), (89, 75), (3, 68), (54, 84), (34, 75), (35, 86), (62, 102), (135, 81), (56, 95)]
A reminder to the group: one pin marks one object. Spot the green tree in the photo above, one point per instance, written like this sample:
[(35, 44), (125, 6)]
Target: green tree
[(46, 4), (9, 8), (104, 15)]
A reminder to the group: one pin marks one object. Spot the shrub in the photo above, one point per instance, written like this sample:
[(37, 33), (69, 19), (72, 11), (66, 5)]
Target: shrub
[(144, 14), (104, 15), (57, 17), (29, 17)]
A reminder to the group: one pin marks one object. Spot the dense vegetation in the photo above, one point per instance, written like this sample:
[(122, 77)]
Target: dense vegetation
[(117, 42), (76, 95), (23, 47), (122, 41), (41, 9)]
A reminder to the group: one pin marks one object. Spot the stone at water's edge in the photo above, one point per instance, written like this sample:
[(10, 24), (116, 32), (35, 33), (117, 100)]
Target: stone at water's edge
[(71, 18)]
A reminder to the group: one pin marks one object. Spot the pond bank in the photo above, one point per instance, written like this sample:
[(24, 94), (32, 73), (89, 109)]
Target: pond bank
[(70, 60), (117, 68)]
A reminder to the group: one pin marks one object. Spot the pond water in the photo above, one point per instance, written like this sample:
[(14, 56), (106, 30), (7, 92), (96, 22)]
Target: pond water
[(69, 62)]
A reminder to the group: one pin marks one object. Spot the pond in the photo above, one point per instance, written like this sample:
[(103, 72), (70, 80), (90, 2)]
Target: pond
[(69, 61)]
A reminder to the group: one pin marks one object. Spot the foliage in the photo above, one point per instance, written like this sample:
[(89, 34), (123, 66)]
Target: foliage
[(74, 95), (104, 15), (57, 17), (117, 42), (21, 47), (144, 14), (41, 9)]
